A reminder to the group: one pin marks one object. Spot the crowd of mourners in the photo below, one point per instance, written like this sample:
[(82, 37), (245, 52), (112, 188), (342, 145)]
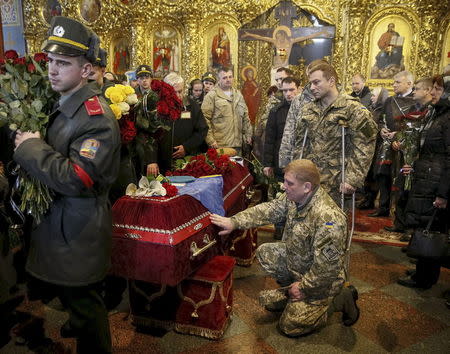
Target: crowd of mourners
[(392, 151)]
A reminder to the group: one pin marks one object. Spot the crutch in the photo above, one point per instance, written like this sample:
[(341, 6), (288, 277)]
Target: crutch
[(304, 143), (343, 125)]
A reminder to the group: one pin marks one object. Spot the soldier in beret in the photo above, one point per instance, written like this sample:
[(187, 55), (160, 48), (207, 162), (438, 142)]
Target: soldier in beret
[(78, 160), (144, 75)]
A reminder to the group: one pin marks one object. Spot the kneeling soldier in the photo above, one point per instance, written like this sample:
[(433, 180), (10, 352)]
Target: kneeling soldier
[(309, 262)]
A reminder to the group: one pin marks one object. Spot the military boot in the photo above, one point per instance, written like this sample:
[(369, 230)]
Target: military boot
[(345, 302), (273, 300)]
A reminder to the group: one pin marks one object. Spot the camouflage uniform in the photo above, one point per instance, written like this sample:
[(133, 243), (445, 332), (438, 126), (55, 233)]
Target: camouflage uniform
[(260, 128), (324, 141), (312, 252), (287, 143)]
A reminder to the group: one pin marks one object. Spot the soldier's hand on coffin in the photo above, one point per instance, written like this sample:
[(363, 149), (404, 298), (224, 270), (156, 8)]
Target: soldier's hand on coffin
[(347, 188), (178, 152), (225, 223), (22, 136), (295, 294), (214, 145), (152, 169)]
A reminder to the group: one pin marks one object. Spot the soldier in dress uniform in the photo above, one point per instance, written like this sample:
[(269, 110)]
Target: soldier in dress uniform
[(144, 75), (99, 67), (78, 160), (310, 260), (209, 81)]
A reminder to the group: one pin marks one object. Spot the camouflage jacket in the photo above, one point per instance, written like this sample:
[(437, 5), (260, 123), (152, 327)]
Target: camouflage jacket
[(287, 143), (258, 138), (227, 118), (315, 236), (323, 144)]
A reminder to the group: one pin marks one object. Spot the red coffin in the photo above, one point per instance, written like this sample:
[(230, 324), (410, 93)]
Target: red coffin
[(161, 240), (164, 240)]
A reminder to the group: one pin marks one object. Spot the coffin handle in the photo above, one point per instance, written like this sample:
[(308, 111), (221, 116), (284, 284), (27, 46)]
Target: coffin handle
[(195, 251)]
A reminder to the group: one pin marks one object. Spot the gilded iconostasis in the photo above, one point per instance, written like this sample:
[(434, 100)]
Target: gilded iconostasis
[(377, 38)]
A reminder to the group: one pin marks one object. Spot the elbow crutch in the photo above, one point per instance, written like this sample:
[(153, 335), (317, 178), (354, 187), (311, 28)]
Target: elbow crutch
[(343, 125)]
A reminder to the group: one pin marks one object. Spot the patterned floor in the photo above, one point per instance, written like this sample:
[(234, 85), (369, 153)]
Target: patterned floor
[(393, 318)]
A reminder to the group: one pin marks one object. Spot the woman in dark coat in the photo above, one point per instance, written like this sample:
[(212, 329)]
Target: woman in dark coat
[(186, 136), (431, 180)]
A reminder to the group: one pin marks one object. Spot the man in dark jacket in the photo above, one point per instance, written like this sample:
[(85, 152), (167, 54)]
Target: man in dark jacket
[(395, 108), (186, 135), (360, 90), (274, 133), (78, 160), (275, 126)]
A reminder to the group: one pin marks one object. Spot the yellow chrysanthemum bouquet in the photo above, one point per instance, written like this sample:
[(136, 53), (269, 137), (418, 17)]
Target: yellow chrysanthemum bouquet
[(121, 97)]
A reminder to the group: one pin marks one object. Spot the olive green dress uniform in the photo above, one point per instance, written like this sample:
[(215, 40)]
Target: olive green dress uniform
[(312, 252), (324, 141), (78, 160)]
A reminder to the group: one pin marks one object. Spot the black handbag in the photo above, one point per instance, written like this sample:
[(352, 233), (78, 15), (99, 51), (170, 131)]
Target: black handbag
[(428, 244)]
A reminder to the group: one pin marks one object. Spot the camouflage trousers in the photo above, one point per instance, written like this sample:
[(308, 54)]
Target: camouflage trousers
[(299, 317)]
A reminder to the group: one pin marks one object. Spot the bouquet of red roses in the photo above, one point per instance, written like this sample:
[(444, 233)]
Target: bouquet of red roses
[(203, 165), (169, 106)]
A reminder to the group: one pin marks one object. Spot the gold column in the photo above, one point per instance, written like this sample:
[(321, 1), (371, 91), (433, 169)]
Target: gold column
[(192, 45), (140, 52), (429, 46)]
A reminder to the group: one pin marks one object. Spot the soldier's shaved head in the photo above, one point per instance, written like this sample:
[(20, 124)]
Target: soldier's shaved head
[(304, 171)]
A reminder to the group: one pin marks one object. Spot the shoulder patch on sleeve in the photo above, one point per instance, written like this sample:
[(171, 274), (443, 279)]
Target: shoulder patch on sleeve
[(93, 106), (330, 252), (89, 148)]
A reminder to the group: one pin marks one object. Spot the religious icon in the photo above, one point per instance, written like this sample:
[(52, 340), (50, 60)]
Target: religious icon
[(90, 10), (445, 61), (221, 46), (121, 56), (220, 49), (283, 40), (251, 91), (166, 52), (53, 8), (391, 36)]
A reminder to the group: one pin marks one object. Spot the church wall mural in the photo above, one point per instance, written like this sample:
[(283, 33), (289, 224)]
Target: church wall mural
[(351, 31)]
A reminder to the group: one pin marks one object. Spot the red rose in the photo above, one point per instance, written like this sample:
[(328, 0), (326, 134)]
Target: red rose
[(31, 68), (171, 190), (155, 85), (162, 108), (11, 54), (127, 131), (40, 57), (212, 154), (20, 61)]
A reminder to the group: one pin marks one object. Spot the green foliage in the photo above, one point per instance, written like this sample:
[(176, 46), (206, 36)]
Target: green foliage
[(26, 89)]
